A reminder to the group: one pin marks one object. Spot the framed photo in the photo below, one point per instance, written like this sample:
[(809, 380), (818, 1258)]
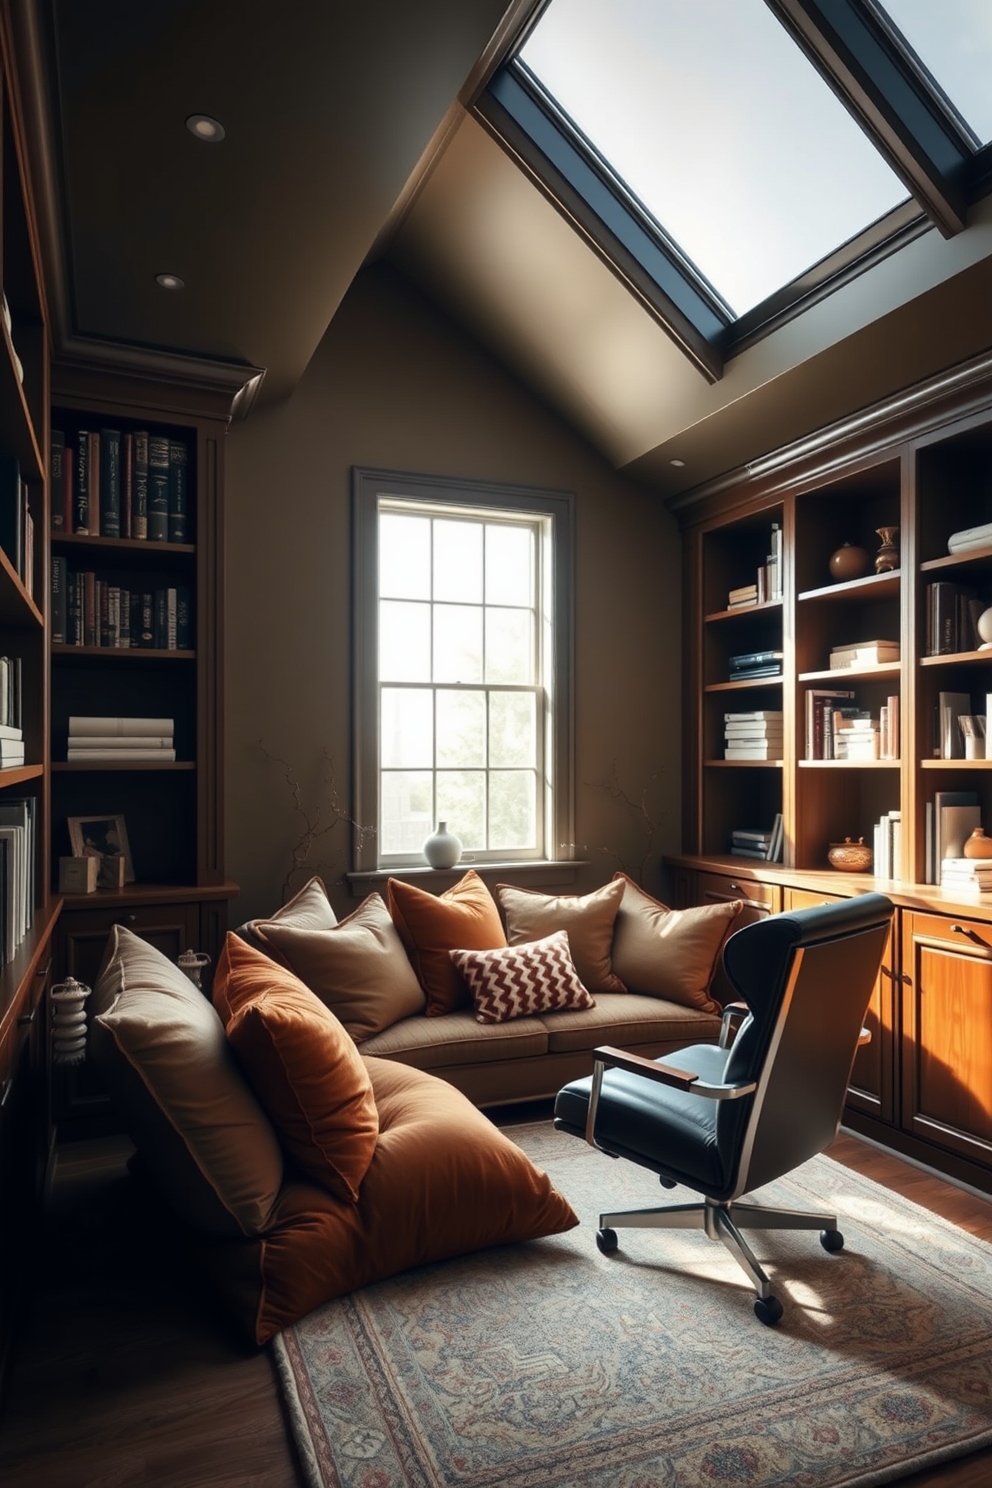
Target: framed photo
[(103, 838)]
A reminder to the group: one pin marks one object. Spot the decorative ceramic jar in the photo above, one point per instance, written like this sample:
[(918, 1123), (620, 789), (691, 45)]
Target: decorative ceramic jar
[(850, 857), (849, 562), (69, 1021), (978, 845), (442, 849), (984, 627), (887, 556)]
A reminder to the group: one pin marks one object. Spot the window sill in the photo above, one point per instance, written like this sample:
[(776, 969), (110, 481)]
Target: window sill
[(553, 872)]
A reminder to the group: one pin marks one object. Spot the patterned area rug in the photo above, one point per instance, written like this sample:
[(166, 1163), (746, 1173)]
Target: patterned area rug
[(547, 1365)]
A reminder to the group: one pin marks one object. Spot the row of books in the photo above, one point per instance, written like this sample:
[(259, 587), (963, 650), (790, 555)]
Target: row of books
[(754, 664), (767, 581), (11, 670), (838, 729), (949, 820), (109, 484), (753, 736), (863, 654), (96, 740), (16, 521), (959, 728), (887, 845), (18, 869), (764, 843), (971, 876), (87, 610), (952, 612)]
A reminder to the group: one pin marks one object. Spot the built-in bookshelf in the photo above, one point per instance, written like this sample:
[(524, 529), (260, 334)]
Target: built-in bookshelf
[(899, 646)]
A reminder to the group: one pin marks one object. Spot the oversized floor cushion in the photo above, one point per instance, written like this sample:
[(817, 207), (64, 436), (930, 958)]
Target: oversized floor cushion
[(443, 1181)]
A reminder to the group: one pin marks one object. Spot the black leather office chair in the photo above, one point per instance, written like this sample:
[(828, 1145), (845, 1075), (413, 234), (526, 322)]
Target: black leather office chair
[(726, 1119)]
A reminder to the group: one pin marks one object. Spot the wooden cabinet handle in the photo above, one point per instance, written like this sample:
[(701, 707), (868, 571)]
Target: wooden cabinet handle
[(26, 1019), (971, 934), (44, 970)]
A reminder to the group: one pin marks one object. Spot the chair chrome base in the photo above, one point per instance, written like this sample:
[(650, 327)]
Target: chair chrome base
[(724, 1221)]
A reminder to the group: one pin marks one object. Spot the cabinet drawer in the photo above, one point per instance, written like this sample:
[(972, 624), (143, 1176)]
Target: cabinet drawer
[(715, 887)]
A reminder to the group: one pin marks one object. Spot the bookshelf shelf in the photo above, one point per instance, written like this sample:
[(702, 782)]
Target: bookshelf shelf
[(725, 764), (124, 767), (123, 654), (955, 764), (855, 591), (748, 685), (884, 669), (979, 558), (958, 658), (834, 764), (744, 612)]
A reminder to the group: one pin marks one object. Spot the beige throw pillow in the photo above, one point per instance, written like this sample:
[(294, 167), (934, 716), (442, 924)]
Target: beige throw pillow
[(358, 967), (670, 953), (588, 919), (162, 1051)]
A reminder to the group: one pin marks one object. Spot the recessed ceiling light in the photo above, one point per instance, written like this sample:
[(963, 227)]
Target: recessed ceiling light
[(679, 464), (170, 281), (203, 127)]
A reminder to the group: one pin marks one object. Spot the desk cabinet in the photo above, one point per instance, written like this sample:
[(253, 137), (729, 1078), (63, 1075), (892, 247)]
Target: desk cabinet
[(947, 1033)]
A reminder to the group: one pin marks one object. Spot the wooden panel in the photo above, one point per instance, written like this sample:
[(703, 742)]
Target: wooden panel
[(760, 900), (872, 1087), (947, 1033)]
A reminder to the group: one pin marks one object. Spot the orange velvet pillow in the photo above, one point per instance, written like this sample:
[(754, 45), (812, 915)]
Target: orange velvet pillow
[(463, 918), (303, 1067)]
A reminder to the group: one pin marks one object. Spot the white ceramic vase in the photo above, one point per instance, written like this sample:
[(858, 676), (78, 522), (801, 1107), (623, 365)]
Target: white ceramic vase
[(442, 848)]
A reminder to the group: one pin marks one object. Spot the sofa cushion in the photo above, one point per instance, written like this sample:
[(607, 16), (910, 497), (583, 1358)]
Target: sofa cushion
[(588, 918), (626, 1019), (304, 1068), (458, 1039), (161, 1050), (357, 967), (464, 917), (443, 1182), (517, 980), (670, 953), (309, 909)]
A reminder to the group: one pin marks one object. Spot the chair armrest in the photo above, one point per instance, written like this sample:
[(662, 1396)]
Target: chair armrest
[(864, 1037), (733, 1016), (606, 1057)]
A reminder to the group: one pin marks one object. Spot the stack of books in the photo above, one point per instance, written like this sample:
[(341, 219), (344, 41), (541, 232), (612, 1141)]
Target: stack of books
[(758, 842), (863, 654), (887, 845), (11, 735), (821, 705), (970, 537), (94, 741), (952, 618), (18, 857), (755, 664), (753, 736), (971, 874), (855, 735), (747, 594), (888, 728)]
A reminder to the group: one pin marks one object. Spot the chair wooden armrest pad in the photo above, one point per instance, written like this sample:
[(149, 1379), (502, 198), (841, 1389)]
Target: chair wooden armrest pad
[(636, 1064)]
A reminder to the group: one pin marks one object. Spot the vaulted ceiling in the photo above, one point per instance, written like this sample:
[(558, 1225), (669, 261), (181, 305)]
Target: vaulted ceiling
[(349, 135)]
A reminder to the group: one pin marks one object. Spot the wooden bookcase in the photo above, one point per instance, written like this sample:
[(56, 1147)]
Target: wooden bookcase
[(25, 1130), (173, 811), (922, 463)]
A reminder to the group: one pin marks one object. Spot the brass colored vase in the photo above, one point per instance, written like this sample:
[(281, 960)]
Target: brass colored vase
[(887, 556)]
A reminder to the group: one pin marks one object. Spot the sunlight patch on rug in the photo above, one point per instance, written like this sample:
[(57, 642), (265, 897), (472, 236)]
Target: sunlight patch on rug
[(547, 1365)]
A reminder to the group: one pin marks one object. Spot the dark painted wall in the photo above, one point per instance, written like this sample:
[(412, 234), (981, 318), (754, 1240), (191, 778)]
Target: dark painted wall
[(395, 384)]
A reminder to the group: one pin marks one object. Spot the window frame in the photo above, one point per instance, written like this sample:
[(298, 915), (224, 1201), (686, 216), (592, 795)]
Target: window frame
[(368, 487), (855, 49)]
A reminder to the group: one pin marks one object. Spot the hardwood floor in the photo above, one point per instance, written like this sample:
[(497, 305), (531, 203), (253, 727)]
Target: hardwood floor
[(124, 1376)]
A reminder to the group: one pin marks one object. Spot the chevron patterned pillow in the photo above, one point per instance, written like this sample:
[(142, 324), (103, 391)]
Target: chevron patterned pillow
[(537, 977)]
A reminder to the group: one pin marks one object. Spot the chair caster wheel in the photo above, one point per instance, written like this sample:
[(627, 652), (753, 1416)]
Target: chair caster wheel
[(668, 1183), (607, 1241), (768, 1310), (831, 1239)]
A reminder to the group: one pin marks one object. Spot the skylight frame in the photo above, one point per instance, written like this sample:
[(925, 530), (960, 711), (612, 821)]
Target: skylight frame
[(905, 114)]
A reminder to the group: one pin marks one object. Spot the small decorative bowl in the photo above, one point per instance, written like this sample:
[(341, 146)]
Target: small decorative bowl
[(850, 857)]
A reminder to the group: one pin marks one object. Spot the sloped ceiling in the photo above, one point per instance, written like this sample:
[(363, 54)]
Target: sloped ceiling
[(348, 138)]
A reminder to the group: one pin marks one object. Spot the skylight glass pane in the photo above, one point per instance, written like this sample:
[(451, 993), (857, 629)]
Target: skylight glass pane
[(953, 40), (714, 118)]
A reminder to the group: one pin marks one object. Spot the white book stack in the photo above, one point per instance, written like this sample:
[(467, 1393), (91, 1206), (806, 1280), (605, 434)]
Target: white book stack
[(856, 739), (887, 845), (95, 741), (753, 736), (971, 875), (863, 654)]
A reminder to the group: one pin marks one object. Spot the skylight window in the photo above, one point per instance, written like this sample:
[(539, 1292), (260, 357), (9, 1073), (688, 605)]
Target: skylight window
[(953, 40), (714, 119)]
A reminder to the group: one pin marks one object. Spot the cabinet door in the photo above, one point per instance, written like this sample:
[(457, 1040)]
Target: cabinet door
[(947, 1033), (81, 1107), (872, 1087), (759, 899)]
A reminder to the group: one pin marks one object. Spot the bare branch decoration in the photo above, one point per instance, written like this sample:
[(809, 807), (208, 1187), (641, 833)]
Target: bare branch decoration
[(315, 825)]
